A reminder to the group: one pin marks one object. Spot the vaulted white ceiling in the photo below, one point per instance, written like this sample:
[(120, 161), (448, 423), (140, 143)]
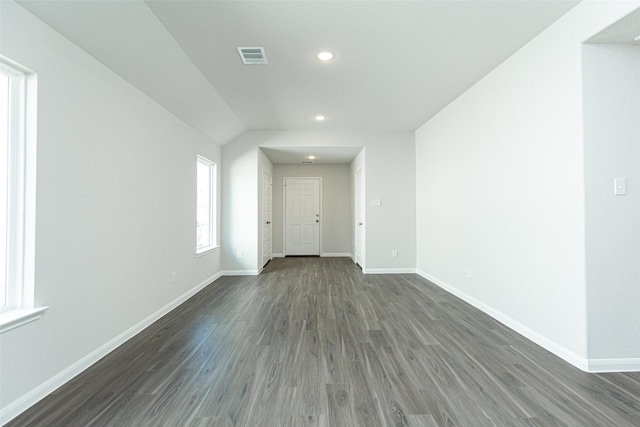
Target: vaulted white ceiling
[(397, 62)]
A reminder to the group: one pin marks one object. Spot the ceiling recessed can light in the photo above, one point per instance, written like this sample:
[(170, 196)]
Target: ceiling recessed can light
[(320, 117), (637, 38), (325, 55), (311, 157)]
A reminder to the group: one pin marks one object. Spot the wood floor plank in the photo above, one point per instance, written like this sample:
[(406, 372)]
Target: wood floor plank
[(339, 406), (314, 342), (364, 403)]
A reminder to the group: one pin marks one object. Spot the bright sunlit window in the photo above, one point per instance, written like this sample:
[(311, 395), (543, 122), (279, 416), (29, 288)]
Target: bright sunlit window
[(17, 195), (206, 205)]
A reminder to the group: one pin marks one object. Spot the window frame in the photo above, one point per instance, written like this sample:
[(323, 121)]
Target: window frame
[(212, 240), (21, 192)]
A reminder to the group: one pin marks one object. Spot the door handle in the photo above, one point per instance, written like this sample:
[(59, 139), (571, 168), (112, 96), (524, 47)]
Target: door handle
[(359, 223), (317, 220), (268, 222)]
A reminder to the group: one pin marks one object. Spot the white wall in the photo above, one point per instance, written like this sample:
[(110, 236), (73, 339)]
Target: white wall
[(390, 177), (612, 149), (115, 211), (336, 205), (500, 182), (240, 196)]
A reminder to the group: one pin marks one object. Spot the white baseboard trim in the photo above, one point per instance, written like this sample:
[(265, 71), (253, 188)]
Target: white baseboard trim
[(241, 272), (23, 403), (335, 255), (614, 365), (555, 348), (278, 255), (389, 270)]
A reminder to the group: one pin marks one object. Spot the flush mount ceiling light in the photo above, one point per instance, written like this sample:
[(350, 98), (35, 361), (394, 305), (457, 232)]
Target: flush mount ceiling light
[(325, 55), (311, 157), (637, 38), (320, 117)]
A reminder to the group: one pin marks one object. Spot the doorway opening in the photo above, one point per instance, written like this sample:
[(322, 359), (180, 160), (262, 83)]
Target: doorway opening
[(267, 252)]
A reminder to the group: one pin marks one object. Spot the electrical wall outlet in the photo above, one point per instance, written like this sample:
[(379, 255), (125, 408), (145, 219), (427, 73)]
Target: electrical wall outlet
[(239, 254), (394, 253), (467, 272)]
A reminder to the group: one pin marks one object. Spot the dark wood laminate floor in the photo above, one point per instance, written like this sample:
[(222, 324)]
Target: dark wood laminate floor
[(314, 342)]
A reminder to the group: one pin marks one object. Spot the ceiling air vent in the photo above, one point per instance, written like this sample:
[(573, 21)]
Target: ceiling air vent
[(307, 162), (253, 55)]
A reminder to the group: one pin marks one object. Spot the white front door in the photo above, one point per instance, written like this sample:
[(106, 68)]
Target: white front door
[(302, 216), (359, 219), (266, 218)]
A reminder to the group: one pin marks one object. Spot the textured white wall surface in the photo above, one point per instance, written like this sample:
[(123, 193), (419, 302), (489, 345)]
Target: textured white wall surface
[(612, 150), (500, 187), (115, 207), (336, 205), (390, 177)]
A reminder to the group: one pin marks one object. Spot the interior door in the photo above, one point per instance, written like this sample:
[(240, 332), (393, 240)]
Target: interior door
[(266, 218), (359, 218), (302, 216)]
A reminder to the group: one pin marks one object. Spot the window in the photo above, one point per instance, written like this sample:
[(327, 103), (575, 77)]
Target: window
[(206, 205), (17, 195), (4, 146)]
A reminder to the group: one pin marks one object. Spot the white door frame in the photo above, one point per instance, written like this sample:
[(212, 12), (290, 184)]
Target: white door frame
[(270, 217), (284, 210), (359, 217)]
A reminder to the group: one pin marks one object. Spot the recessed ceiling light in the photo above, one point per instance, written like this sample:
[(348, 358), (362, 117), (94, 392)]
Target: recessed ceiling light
[(637, 38), (311, 157), (325, 55), (320, 117)]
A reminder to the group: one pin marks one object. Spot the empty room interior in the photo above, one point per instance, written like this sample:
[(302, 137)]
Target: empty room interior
[(320, 213)]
